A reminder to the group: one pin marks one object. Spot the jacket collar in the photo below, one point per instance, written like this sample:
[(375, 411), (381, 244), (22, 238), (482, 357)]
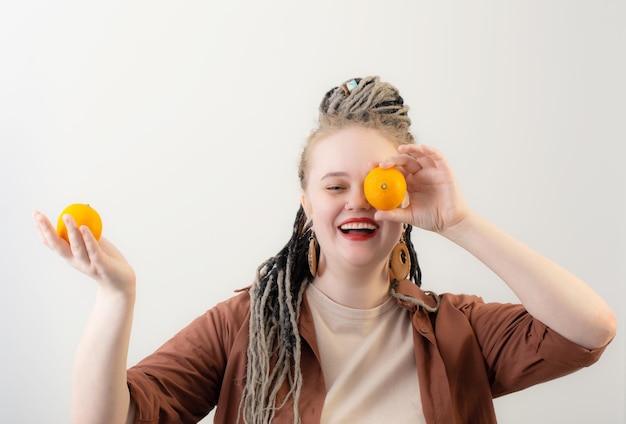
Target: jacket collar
[(409, 296)]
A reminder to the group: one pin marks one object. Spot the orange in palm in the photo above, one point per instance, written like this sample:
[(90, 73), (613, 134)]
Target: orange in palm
[(83, 215)]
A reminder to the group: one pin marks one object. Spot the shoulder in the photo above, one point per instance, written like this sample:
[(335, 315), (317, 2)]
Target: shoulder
[(461, 300), (217, 329), (491, 317), (240, 301), (232, 311), (412, 297)]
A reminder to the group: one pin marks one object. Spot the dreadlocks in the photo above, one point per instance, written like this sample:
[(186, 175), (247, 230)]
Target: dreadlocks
[(274, 347)]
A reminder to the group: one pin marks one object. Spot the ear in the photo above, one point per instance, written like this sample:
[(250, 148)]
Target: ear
[(306, 205)]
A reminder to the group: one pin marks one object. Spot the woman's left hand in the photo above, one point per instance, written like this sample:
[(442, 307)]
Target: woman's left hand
[(435, 201)]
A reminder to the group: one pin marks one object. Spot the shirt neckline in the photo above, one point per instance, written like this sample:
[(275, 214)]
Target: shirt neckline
[(320, 300)]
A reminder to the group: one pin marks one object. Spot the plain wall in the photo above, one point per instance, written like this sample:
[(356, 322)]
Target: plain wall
[(182, 124)]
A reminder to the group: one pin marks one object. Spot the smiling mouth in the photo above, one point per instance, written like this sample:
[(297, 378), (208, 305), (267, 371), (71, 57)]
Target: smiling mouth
[(358, 228)]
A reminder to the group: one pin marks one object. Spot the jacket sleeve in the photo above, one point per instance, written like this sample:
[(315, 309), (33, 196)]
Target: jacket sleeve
[(519, 350), (180, 382)]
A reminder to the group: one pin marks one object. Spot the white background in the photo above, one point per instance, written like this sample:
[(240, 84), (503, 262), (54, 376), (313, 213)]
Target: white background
[(182, 124)]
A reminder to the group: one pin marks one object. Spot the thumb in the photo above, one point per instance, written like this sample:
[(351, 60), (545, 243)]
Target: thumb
[(396, 215)]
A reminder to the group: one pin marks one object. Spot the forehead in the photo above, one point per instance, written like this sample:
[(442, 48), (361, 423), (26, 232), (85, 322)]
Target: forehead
[(350, 148)]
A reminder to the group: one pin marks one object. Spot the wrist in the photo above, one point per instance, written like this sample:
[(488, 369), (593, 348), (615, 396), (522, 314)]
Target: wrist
[(461, 228), (124, 295)]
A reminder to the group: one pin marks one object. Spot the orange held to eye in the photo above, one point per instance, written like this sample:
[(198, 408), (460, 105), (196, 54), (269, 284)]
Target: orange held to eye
[(384, 188), (83, 215)]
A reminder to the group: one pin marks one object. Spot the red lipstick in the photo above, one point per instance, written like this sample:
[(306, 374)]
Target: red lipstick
[(358, 229)]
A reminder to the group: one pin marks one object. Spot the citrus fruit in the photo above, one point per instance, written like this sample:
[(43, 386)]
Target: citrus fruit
[(83, 215), (384, 188)]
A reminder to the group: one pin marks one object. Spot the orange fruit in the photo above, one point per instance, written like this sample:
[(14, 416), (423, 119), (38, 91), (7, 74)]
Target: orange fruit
[(384, 188), (83, 215)]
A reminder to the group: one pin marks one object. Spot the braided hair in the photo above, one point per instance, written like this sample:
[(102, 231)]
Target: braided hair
[(274, 347)]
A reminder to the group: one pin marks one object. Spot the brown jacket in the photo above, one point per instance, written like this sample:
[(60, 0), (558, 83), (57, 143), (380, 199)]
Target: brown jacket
[(467, 353)]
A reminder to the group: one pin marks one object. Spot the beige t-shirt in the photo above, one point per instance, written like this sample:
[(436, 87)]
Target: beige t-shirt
[(368, 360)]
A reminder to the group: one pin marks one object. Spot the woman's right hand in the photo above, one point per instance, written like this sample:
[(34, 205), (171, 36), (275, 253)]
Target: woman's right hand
[(99, 260), (99, 387)]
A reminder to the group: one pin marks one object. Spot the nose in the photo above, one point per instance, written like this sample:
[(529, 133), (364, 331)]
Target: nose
[(357, 201)]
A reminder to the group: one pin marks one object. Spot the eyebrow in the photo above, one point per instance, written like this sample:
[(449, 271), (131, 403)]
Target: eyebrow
[(334, 174)]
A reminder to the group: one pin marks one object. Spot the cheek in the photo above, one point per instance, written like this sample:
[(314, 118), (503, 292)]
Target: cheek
[(321, 207), (323, 216), (394, 232)]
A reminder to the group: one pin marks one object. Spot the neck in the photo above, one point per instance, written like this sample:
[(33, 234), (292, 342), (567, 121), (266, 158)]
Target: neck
[(355, 288)]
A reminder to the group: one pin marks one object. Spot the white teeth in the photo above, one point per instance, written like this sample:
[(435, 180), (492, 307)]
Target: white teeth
[(358, 226)]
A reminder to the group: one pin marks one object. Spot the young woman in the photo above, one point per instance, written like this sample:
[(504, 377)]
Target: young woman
[(336, 327)]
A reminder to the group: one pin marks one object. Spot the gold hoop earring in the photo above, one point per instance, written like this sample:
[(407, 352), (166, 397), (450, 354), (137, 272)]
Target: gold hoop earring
[(400, 261), (313, 255)]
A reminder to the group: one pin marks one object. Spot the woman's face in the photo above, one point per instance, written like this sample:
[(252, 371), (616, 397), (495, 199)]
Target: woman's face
[(334, 201)]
